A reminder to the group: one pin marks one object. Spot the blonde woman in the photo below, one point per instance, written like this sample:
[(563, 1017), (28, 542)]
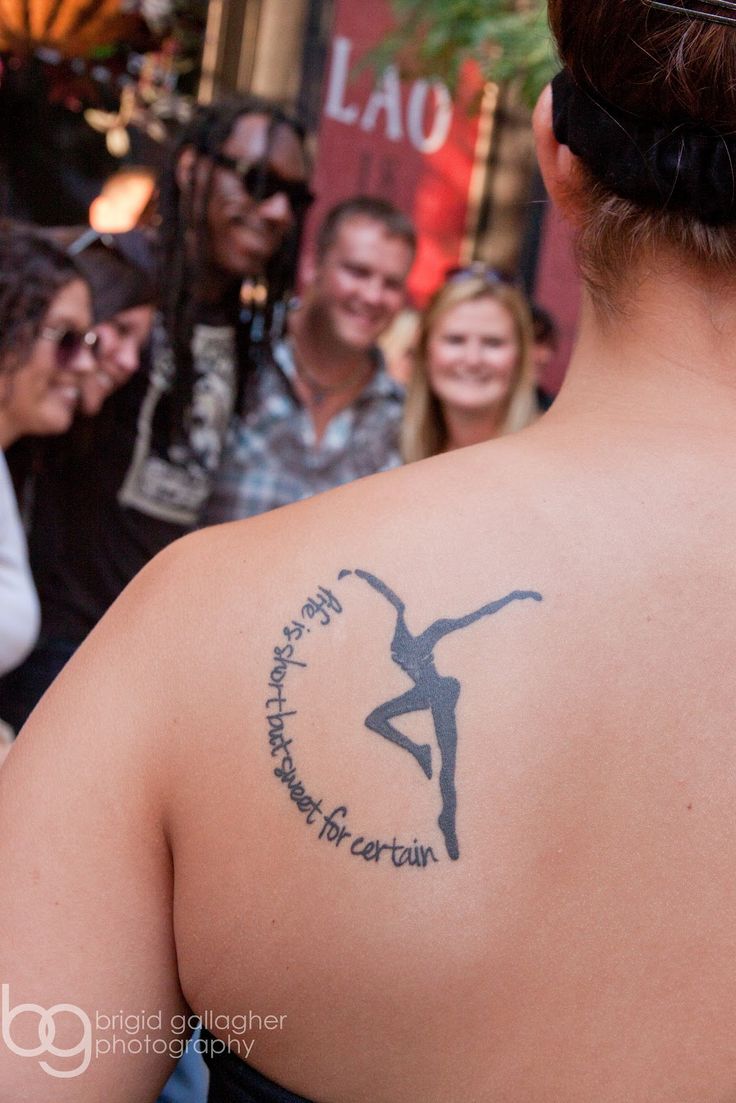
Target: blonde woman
[(473, 379)]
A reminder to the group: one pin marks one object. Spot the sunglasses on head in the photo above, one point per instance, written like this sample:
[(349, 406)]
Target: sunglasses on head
[(261, 182), (69, 342), (133, 247), (479, 271)]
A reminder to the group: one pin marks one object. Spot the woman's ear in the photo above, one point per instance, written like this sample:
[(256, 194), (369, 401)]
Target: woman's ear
[(561, 170)]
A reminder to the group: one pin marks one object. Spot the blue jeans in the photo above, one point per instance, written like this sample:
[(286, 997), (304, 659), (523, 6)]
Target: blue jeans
[(189, 1080)]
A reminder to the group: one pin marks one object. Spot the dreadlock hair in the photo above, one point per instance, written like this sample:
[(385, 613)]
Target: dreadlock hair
[(183, 215), (33, 270)]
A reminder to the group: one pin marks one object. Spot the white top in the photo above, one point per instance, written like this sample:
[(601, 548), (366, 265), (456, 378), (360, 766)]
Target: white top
[(20, 614)]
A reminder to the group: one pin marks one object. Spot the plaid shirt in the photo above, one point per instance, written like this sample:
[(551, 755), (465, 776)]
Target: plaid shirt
[(272, 457)]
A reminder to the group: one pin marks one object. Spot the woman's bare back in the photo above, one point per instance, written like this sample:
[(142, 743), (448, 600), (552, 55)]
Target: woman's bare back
[(578, 946)]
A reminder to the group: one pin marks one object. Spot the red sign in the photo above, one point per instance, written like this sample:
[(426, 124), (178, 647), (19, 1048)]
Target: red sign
[(406, 141)]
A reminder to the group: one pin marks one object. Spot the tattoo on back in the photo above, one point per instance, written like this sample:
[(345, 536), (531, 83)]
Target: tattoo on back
[(432, 691)]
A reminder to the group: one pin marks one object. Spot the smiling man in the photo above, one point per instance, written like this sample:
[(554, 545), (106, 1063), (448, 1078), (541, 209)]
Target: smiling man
[(322, 411)]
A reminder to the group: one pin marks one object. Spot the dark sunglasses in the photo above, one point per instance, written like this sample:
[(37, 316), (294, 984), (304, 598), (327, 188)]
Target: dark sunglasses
[(261, 182), (479, 271), (69, 342)]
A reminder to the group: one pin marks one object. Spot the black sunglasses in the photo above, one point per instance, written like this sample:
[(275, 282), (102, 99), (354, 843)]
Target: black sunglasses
[(69, 342), (261, 182)]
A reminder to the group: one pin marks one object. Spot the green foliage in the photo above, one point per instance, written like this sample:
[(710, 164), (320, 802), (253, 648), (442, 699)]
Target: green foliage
[(509, 39)]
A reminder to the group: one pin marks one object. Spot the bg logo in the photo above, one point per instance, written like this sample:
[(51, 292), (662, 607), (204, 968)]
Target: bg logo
[(47, 1034)]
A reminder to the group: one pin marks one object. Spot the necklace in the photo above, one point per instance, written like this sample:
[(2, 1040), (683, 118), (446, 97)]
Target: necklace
[(320, 392)]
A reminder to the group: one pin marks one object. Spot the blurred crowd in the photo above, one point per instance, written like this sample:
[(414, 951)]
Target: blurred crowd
[(157, 372)]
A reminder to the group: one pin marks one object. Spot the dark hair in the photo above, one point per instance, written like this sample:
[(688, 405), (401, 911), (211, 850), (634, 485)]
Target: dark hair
[(649, 62), (394, 221), (119, 268), (182, 217), (33, 269), (665, 68)]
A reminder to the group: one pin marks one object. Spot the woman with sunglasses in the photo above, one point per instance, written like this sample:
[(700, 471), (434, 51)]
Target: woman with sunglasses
[(473, 373), (46, 351), (546, 909), (59, 478), (46, 345)]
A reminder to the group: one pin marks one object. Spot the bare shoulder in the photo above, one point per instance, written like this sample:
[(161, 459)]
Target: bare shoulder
[(422, 695)]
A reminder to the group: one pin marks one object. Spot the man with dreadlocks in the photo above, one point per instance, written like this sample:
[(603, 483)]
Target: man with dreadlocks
[(231, 206), (231, 203)]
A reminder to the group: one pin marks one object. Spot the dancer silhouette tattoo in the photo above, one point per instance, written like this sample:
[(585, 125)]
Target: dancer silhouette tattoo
[(431, 690)]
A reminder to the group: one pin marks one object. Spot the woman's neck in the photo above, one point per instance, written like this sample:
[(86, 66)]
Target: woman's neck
[(466, 427), (666, 363)]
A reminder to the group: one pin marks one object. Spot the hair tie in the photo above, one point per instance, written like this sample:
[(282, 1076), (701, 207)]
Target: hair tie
[(670, 167)]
